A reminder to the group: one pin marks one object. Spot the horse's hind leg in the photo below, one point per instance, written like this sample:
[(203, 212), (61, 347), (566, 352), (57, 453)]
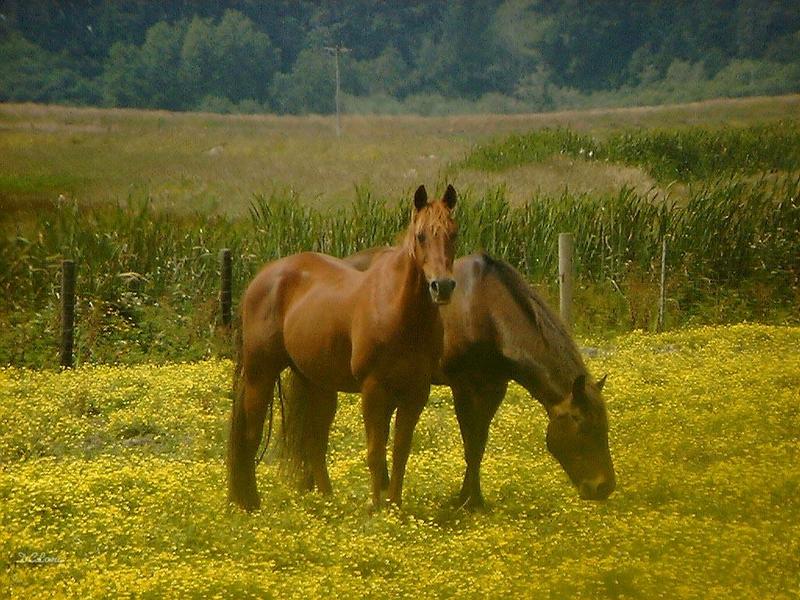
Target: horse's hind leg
[(321, 411), (247, 423), (476, 404)]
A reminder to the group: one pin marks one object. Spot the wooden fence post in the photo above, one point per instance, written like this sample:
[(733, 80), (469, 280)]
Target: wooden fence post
[(225, 293), (662, 291), (566, 276), (67, 312)]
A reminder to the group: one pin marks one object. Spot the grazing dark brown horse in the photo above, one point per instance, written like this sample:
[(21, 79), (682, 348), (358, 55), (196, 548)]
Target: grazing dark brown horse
[(377, 331), (497, 329)]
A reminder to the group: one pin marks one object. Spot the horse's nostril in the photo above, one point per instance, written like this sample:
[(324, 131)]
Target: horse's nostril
[(444, 286), (441, 290), (596, 490)]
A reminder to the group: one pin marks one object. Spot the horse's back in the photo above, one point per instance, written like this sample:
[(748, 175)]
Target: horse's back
[(283, 280), (496, 319)]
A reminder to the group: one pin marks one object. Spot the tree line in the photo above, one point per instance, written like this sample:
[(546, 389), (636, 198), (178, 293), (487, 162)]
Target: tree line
[(424, 57)]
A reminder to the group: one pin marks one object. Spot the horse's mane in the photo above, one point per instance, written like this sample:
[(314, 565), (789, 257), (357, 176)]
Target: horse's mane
[(549, 326)]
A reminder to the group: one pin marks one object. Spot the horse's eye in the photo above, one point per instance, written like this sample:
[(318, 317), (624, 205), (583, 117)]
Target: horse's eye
[(420, 237)]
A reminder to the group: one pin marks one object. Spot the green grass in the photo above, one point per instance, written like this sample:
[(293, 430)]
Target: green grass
[(37, 184), (114, 478), (520, 149), (682, 155)]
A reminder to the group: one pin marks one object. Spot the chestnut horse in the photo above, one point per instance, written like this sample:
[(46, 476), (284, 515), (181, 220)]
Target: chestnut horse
[(498, 329), (377, 331)]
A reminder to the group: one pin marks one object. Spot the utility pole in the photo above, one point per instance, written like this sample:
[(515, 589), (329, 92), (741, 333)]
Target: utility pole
[(336, 51)]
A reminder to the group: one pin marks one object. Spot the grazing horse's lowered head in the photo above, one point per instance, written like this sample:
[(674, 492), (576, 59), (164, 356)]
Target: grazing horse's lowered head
[(431, 242), (577, 436)]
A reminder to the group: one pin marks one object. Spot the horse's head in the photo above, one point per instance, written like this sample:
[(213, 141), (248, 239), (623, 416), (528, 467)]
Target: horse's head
[(577, 436), (431, 242)]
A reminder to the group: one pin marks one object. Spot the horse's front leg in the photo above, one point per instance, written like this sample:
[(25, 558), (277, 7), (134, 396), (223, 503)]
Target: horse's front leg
[(408, 412), (476, 405), (376, 408)]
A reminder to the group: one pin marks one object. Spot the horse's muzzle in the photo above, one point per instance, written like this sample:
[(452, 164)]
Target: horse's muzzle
[(596, 489), (441, 290)]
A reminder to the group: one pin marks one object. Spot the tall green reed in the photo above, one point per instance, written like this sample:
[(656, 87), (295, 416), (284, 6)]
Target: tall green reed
[(684, 155), (155, 275), (729, 229)]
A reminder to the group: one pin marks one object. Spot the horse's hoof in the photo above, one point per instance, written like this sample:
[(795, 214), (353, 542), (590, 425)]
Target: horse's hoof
[(385, 504), (458, 500), (248, 502), (473, 504), (250, 505)]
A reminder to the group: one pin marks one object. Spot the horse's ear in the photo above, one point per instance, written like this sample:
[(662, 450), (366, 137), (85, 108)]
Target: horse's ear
[(601, 383), (450, 197), (579, 390), (420, 198)]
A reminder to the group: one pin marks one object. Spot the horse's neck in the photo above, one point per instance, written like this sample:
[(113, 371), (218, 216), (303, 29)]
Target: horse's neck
[(545, 362), (411, 294)]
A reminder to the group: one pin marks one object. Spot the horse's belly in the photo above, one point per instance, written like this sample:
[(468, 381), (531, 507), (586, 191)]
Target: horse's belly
[(325, 369), (321, 352)]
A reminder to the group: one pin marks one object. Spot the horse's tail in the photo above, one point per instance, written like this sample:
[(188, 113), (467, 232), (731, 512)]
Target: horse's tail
[(238, 478), (238, 389), (242, 450), (296, 429), (270, 417)]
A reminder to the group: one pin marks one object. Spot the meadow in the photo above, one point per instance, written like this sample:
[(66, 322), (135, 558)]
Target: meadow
[(144, 202), (113, 480), (201, 161), (113, 486)]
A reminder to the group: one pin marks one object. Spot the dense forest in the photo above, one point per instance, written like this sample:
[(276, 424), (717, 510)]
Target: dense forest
[(420, 57)]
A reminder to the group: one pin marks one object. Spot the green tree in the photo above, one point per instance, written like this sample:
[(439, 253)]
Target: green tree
[(245, 59), (309, 87), (147, 77), (388, 74), (197, 60), (160, 57), (181, 55), (464, 58), (230, 60), (29, 73), (123, 78)]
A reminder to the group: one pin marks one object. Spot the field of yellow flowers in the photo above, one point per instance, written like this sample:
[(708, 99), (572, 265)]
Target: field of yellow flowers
[(113, 485)]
